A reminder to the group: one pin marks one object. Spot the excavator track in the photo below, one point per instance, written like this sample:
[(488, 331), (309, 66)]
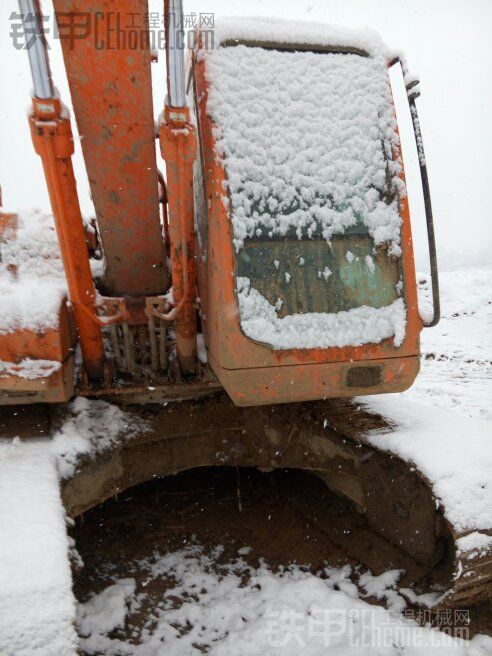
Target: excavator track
[(386, 515)]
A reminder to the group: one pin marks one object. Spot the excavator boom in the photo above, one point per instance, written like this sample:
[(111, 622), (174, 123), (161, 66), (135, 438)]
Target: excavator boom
[(111, 91)]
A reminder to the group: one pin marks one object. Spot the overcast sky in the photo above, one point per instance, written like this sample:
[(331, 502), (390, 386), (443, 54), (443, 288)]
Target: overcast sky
[(447, 42)]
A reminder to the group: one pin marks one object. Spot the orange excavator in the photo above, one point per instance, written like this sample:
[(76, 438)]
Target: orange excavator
[(277, 247), (131, 308)]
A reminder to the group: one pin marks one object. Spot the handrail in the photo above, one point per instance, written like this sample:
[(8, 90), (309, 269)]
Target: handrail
[(413, 93)]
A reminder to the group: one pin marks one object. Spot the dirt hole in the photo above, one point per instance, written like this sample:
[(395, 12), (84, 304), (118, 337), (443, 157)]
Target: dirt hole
[(226, 513)]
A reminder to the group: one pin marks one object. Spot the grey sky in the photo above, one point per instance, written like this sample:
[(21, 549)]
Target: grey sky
[(447, 42)]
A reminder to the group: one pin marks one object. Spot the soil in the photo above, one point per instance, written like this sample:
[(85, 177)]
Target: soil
[(209, 506), (232, 507)]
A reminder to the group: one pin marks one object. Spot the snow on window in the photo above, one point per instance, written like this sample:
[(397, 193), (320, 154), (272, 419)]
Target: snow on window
[(325, 274), (306, 139), (370, 265), (362, 325)]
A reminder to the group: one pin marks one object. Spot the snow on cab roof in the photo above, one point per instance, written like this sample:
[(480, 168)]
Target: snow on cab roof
[(271, 29)]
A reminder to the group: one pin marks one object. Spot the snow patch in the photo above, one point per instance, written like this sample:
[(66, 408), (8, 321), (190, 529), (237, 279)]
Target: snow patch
[(307, 140), (363, 325), (32, 280), (29, 369), (452, 452), (37, 607), (456, 371), (236, 609), (107, 610), (201, 348), (474, 544), (92, 427)]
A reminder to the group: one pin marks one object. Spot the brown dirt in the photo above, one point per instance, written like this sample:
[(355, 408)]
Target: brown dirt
[(272, 513), (202, 506)]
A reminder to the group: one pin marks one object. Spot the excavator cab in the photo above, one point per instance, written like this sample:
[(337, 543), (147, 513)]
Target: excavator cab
[(300, 192)]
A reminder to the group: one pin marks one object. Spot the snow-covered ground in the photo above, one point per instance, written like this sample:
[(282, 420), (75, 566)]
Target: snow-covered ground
[(282, 614), (457, 354), (36, 601), (456, 375)]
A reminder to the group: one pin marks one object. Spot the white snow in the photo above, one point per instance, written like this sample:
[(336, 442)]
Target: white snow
[(32, 281), (474, 544), (260, 321), (451, 451), (266, 29), (418, 134), (91, 428), (300, 135), (370, 264), (201, 348), (384, 587), (457, 354), (29, 369), (37, 608), (244, 611), (325, 274), (106, 611)]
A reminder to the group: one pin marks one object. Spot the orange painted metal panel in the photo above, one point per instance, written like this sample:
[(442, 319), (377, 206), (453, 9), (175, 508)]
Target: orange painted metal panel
[(55, 388), (110, 85), (295, 383), (50, 344)]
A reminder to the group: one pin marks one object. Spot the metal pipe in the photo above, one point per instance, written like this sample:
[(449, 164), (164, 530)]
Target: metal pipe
[(37, 49), (178, 147), (413, 92), (53, 142), (175, 53), (436, 303)]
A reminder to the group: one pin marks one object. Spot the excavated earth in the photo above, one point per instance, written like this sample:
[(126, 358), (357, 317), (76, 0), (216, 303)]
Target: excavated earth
[(285, 517), (298, 484)]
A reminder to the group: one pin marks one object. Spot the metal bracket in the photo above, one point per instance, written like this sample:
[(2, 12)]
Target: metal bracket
[(155, 308)]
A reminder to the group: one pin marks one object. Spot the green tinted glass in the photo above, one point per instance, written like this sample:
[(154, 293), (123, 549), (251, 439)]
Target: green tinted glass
[(299, 276)]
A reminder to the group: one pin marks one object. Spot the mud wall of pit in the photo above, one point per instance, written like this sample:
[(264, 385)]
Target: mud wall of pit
[(395, 502)]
